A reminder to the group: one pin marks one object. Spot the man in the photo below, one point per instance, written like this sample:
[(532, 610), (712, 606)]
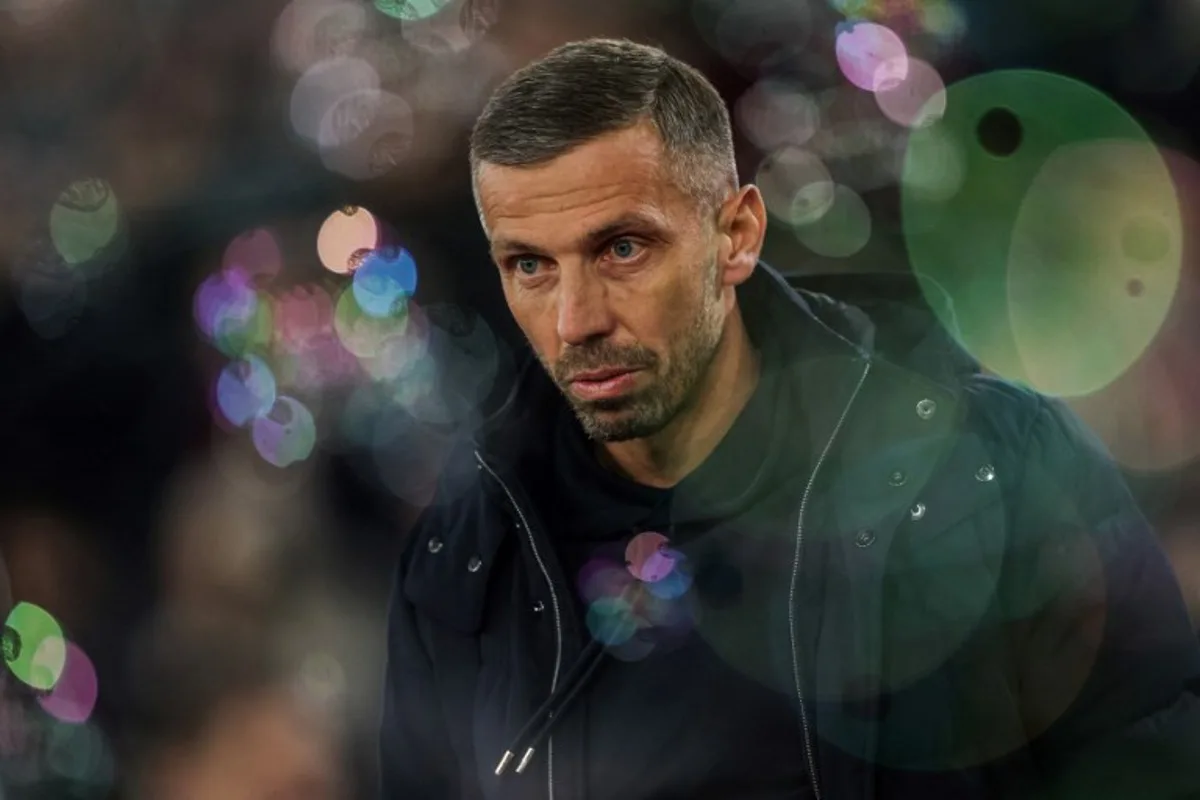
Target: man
[(727, 540)]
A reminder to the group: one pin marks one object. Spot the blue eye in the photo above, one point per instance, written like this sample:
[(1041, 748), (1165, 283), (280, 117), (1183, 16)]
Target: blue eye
[(624, 248), (527, 264)]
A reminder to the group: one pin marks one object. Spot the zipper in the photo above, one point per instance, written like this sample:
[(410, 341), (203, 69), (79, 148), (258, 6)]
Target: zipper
[(558, 631), (808, 748)]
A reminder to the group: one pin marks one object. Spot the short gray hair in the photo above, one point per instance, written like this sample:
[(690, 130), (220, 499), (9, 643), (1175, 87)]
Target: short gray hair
[(583, 90)]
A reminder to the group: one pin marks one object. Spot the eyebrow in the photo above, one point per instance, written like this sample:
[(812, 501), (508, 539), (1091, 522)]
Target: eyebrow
[(634, 220)]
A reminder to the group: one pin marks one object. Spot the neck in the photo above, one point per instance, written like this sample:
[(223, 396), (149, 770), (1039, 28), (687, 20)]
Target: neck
[(664, 459)]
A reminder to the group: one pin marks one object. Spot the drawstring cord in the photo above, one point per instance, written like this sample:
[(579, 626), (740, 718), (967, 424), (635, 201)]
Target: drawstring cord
[(544, 719)]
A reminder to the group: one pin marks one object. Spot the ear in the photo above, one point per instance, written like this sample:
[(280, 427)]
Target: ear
[(741, 226)]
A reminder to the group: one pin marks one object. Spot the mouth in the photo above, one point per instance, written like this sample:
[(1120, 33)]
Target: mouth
[(602, 384)]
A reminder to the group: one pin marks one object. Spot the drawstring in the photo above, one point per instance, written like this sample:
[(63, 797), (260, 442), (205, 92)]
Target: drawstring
[(544, 719), (538, 727)]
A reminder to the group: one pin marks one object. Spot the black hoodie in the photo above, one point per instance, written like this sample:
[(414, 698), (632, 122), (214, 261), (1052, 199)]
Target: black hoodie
[(696, 631)]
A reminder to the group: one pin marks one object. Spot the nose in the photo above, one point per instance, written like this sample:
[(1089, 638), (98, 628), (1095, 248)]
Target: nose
[(583, 310)]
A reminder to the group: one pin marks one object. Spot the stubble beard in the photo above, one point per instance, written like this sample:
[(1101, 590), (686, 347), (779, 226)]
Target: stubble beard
[(671, 390)]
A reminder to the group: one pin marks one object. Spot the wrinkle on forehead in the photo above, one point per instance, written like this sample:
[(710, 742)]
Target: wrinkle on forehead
[(549, 201), (618, 172)]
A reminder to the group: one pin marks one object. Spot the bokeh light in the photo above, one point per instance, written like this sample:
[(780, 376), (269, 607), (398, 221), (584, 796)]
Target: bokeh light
[(321, 679), (232, 314), (84, 220), (255, 253), (307, 354), (364, 334), (309, 31), (322, 90), (409, 10), (944, 19), (80, 756), (844, 228), (933, 171), (373, 146), (346, 238), (647, 558), (301, 314), (672, 579), (245, 390), (796, 185), (1147, 416), (871, 56), (917, 101), (391, 56), (348, 117), (610, 620), (387, 277), (286, 434), (42, 652), (773, 114), (1093, 264), (74, 694), (1008, 125), (637, 599)]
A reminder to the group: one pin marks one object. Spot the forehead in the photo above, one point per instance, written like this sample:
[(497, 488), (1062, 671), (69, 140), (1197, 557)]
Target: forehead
[(620, 174)]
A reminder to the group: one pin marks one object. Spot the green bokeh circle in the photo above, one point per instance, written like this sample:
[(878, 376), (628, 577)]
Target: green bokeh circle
[(410, 10), (42, 655), (84, 220), (963, 240)]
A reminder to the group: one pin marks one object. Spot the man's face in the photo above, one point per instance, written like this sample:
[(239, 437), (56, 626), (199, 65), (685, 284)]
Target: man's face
[(614, 275)]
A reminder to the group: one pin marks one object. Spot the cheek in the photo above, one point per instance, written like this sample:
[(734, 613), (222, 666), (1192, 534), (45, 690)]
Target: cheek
[(658, 315)]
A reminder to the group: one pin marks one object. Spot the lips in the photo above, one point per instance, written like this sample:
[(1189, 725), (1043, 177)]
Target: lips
[(597, 375), (602, 384)]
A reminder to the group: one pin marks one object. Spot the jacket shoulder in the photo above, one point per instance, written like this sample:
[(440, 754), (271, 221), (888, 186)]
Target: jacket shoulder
[(1044, 450)]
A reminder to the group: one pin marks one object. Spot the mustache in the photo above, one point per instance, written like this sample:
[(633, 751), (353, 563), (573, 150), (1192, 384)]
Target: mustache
[(602, 355)]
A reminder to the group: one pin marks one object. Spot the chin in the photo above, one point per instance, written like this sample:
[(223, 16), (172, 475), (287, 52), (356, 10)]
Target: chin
[(601, 426)]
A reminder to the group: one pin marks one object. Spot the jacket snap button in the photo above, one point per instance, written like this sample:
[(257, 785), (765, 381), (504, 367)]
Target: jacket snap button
[(539, 607), (435, 545), (474, 564), (917, 511), (926, 408), (865, 538), (897, 478), (985, 473)]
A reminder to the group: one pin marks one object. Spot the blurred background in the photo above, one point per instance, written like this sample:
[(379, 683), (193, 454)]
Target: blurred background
[(245, 302)]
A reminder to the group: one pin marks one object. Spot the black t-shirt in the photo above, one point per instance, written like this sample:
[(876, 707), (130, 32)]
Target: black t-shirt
[(704, 677)]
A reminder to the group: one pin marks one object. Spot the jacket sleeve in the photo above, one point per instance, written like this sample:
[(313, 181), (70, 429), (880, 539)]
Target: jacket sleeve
[(1108, 661), (416, 759)]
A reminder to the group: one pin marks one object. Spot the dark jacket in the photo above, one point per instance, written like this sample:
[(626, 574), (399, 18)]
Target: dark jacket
[(974, 605)]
